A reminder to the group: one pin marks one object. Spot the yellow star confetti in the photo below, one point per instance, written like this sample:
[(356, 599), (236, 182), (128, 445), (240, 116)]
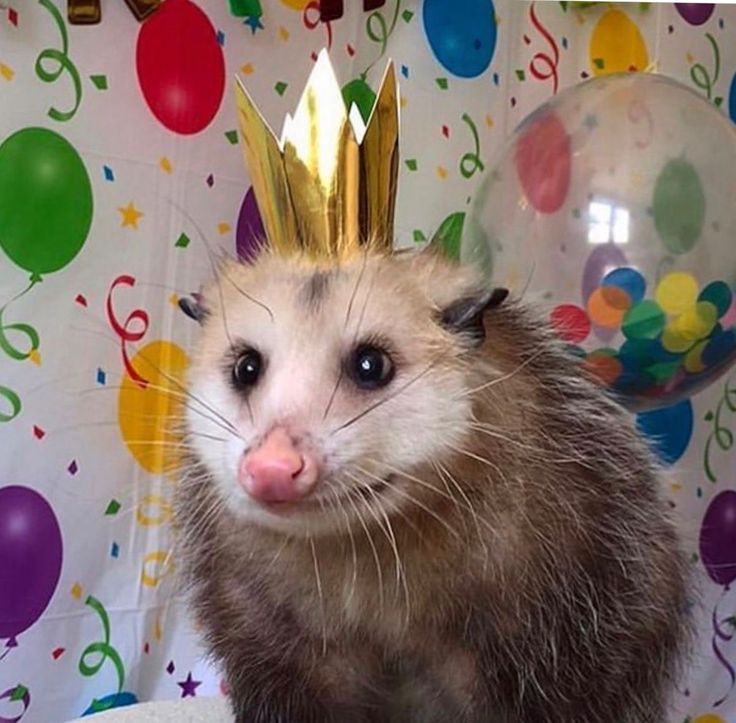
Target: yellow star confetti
[(489, 120), (131, 215), (283, 33), (246, 69), (165, 164), (174, 300), (6, 71), (442, 172), (223, 227), (35, 357), (76, 590)]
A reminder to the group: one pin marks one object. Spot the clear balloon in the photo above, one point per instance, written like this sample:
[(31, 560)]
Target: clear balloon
[(614, 201)]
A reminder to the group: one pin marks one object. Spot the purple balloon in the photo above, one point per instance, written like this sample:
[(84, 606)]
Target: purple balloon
[(604, 259), (718, 538), (30, 558), (249, 234), (695, 13)]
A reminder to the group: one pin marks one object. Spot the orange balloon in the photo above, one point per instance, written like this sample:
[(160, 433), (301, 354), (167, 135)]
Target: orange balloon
[(296, 4)]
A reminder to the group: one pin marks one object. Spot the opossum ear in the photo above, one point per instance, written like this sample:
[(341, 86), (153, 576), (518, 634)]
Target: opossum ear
[(193, 307), (465, 316)]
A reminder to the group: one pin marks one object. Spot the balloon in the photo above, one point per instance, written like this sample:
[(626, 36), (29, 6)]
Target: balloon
[(732, 99), (46, 209), (462, 34), (616, 45), (695, 13), (614, 201), (709, 718), (30, 558), (668, 430), (181, 68), (114, 700), (249, 234), (359, 92), (718, 538), (149, 415)]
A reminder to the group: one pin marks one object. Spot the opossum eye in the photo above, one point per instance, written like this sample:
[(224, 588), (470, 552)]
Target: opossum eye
[(247, 369), (370, 367)]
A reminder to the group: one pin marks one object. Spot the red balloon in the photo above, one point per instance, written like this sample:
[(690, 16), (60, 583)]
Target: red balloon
[(543, 161), (181, 68)]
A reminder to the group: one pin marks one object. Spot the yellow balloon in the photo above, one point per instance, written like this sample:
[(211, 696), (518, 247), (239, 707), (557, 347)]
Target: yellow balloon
[(295, 4), (709, 718), (616, 45), (149, 415)]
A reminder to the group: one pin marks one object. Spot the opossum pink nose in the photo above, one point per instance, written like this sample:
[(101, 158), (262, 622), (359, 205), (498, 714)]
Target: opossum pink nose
[(276, 471)]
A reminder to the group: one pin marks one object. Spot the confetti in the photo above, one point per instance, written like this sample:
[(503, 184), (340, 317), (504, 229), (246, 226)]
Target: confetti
[(35, 357), (73, 468), (56, 653), (283, 33), (13, 16), (101, 376), (170, 668), (223, 228), (350, 50), (442, 83), (446, 131), (407, 15), (221, 37), (99, 81), (115, 550), (496, 79), (232, 136), (165, 164), (80, 299), (6, 71), (489, 120), (131, 215), (405, 71), (411, 164), (20, 692), (146, 648), (174, 300), (113, 506), (246, 68), (521, 75), (599, 63), (418, 236), (183, 241), (210, 180), (281, 87), (76, 590), (107, 172), (442, 172), (38, 433), (189, 686)]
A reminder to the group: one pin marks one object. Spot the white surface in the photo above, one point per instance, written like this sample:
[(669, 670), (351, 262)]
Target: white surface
[(188, 710)]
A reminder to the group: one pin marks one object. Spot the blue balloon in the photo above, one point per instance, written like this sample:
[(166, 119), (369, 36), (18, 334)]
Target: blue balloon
[(114, 700), (668, 430), (732, 99), (462, 34)]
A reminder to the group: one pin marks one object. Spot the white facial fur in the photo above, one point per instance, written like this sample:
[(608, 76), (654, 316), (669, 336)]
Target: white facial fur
[(304, 336)]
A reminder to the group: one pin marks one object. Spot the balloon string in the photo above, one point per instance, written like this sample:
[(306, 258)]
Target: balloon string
[(17, 694), (65, 64), (550, 64), (125, 331), (471, 162), (382, 35), (699, 73), (719, 633), (106, 652)]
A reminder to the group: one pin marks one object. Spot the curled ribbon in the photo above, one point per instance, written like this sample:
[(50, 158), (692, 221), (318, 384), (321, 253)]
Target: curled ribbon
[(638, 111), (719, 633), (156, 567), (146, 515), (106, 652), (64, 64), (125, 330), (471, 162), (310, 23), (720, 435), (379, 31), (701, 76), (17, 694), (542, 66)]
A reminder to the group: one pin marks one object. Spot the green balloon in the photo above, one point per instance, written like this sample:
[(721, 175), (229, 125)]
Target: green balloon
[(678, 206), (46, 201), (359, 92)]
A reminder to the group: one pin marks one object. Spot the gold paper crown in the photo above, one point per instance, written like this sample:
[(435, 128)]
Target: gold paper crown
[(329, 185)]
